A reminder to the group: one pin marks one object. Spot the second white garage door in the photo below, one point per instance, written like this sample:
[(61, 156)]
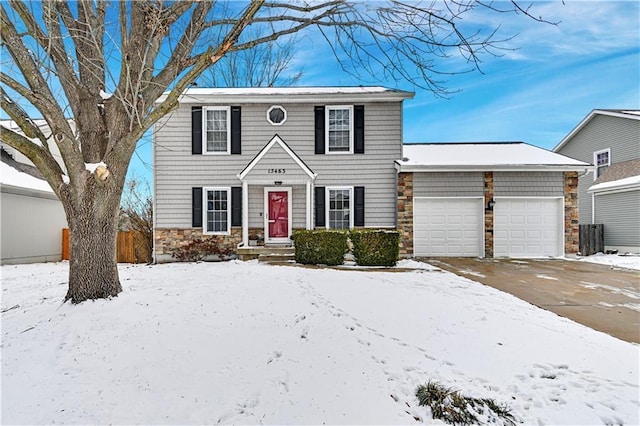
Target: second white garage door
[(527, 227), (448, 227)]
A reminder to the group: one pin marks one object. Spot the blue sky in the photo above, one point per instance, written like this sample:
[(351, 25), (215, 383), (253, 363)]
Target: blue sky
[(537, 93)]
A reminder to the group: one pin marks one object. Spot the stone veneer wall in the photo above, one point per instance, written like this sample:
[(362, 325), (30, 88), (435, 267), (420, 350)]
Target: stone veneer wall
[(169, 239), (405, 213), (488, 215), (571, 228)]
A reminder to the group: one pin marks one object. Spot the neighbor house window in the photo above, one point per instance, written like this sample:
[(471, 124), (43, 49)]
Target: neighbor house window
[(339, 129), (217, 205), (601, 160), (217, 130), (340, 211)]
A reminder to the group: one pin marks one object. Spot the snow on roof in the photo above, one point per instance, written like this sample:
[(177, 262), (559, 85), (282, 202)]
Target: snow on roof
[(293, 94), (482, 156), (632, 182), (10, 176)]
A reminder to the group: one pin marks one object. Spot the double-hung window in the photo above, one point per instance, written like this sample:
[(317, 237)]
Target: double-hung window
[(216, 213), (217, 130), (340, 211), (602, 160), (339, 129)]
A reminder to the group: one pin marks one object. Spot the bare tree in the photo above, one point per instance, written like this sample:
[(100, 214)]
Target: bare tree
[(265, 65), (136, 214), (105, 65)]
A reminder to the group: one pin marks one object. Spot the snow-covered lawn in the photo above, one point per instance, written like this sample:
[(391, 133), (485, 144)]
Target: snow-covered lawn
[(251, 343), (629, 261)]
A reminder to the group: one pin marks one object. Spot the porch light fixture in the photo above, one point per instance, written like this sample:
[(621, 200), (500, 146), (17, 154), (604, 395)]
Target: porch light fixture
[(490, 204), (277, 182)]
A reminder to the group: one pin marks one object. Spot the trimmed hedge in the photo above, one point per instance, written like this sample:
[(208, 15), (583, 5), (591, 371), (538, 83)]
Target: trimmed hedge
[(375, 247), (320, 247)]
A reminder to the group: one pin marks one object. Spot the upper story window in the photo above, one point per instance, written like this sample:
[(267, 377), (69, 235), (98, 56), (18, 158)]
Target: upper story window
[(217, 130), (217, 203), (601, 160), (340, 211), (339, 129), (276, 115)]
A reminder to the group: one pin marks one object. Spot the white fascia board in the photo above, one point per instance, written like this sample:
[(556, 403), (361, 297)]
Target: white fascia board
[(292, 98), (489, 168), (620, 185), (30, 192)]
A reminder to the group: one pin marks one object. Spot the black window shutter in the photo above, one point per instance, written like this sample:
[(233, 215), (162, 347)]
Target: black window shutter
[(319, 206), (196, 207), (319, 114), (358, 205), (236, 206), (196, 130), (358, 137), (236, 125)]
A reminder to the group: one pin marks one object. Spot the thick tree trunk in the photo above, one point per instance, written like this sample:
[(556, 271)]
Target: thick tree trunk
[(93, 228)]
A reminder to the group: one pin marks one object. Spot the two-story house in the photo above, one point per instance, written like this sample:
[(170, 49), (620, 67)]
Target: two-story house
[(610, 195), (241, 163), (264, 161)]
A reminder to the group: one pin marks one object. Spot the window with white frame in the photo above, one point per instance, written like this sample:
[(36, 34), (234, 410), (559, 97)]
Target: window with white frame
[(217, 206), (340, 211), (601, 160), (339, 129), (217, 130)]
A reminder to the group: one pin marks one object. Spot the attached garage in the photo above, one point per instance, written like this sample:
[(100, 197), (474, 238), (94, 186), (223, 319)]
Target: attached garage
[(528, 227), (487, 200), (448, 227)]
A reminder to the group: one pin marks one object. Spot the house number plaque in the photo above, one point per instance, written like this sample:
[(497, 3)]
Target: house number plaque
[(277, 171)]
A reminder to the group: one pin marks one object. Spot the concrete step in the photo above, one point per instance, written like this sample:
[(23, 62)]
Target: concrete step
[(276, 257)]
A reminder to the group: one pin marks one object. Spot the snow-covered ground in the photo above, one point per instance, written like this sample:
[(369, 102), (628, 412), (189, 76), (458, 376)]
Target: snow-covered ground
[(251, 343), (629, 261)]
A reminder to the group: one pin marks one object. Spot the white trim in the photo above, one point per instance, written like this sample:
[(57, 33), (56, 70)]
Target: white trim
[(245, 214), (482, 217), (560, 218), (326, 129), (608, 191), (205, 151), (595, 161), (327, 202), (205, 209), (276, 140), (271, 108), (400, 168), (265, 215), (309, 205)]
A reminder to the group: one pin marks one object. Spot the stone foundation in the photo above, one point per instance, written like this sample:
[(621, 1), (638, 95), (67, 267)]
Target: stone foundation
[(169, 239)]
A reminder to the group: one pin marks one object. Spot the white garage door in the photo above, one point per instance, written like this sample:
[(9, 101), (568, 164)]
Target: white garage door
[(448, 227), (527, 227)]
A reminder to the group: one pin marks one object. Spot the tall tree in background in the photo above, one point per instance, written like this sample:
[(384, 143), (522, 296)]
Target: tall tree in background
[(265, 65), (96, 71)]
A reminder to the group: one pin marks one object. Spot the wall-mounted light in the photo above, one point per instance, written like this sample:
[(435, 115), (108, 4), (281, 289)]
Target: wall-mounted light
[(490, 204), (277, 182)]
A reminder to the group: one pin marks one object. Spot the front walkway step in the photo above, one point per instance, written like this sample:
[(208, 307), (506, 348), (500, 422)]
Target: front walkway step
[(276, 258)]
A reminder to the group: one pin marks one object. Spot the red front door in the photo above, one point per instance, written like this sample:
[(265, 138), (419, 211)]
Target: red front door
[(278, 214)]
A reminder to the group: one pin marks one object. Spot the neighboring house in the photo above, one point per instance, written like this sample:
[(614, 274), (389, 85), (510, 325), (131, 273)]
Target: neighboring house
[(610, 195), (264, 161), (32, 216), (238, 163), (487, 200)]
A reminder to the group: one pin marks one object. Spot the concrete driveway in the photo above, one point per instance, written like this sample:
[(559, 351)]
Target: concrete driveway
[(599, 296)]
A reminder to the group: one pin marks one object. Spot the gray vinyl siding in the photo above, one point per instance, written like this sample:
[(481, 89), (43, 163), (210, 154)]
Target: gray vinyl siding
[(621, 135), (528, 184), (620, 213), (177, 170), (448, 184)]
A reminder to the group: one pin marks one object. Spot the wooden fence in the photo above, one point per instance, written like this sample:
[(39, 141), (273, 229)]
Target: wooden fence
[(125, 246), (591, 239)]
